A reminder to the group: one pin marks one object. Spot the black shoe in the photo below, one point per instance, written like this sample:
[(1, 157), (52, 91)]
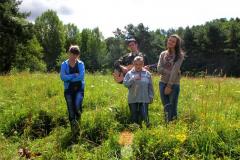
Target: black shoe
[(75, 128)]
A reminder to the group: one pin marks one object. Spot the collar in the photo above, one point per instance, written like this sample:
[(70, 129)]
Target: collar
[(134, 53), (143, 69)]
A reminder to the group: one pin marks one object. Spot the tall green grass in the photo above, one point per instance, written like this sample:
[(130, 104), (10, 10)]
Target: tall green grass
[(33, 114)]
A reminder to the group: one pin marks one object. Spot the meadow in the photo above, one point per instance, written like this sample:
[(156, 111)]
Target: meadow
[(33, 115)]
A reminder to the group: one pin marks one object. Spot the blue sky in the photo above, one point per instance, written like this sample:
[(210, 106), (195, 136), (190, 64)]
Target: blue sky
[(155, 14)]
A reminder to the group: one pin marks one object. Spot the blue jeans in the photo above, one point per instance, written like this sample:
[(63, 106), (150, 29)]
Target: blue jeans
[(74, 104), (170, 101), (139, 113)]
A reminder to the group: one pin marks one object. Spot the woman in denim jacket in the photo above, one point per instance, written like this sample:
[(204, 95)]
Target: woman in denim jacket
[(169, 65), (72, 74)]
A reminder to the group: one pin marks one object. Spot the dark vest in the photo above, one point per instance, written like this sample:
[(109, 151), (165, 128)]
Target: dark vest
[(74, 86)]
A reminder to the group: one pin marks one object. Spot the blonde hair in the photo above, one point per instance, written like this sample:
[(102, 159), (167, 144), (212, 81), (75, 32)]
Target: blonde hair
[(138, 58)]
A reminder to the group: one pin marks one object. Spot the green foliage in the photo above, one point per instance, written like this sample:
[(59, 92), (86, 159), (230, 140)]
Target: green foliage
[(29, 56), (149, 42), (73, 36), (61, 58), (50, 34), (93, 49), (212, 48), (33, 114), (97, 125), (116, 48), (15, 30), (160, 143)]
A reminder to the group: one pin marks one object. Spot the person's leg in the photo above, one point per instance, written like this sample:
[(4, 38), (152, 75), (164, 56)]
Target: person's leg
[(138, 114), (143, 107), (69, 97), (69, 102), (133, 112), (78, 104), (165, 101), (77, 99), (174, 100)]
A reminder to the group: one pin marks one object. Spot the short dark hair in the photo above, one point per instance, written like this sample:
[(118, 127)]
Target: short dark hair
[(129, 40), (74, 49)]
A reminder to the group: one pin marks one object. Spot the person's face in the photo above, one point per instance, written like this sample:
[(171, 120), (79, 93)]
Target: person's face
[(138, 65), (73, 56), (132, 46), (171, 43)]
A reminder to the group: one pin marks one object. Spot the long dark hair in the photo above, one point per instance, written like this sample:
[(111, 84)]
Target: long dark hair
[(178, 48)]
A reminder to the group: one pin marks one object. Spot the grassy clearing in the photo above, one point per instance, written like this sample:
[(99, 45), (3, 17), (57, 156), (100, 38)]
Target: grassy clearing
[(33, 114)]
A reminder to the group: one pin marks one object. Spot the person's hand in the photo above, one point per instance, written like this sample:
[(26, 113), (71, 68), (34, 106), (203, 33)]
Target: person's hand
[(167, 90), (118, 77), (146, 67), (124, 69), (137, 77)]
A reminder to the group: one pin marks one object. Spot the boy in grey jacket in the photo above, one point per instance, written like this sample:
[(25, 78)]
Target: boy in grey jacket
[(140, 91)]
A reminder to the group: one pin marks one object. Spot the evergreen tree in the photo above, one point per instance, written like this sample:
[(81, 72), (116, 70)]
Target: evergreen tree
[(50, 34)]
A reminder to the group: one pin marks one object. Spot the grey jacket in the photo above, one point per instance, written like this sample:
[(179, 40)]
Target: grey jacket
[(168, 69), (139, 91)]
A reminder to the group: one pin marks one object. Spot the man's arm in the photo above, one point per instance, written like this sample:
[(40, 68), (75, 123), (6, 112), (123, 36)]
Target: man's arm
[(123, 64)]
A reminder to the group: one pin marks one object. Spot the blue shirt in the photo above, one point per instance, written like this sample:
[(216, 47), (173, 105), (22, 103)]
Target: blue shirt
[(139, 91), (66, 77)]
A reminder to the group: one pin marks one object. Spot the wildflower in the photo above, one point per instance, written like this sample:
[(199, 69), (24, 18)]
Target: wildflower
[(176, 150), (181, 137), (126, 138), (166, 154)]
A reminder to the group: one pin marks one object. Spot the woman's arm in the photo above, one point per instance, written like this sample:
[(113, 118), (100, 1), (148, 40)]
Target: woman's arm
[(65, 77), (160, 65), (175, 70), (80, 76)]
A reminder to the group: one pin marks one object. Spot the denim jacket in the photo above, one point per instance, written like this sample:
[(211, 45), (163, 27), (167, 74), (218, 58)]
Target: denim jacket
[(139, 91), (67, 78)]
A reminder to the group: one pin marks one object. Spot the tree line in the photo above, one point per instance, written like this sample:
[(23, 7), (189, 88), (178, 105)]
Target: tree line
[(212, 48)]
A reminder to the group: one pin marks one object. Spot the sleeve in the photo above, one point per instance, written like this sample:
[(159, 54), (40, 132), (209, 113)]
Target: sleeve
[(65, 77), (120, 61), (150, 88), (160, 65), (80, 76), (128, 80), (175, 71)]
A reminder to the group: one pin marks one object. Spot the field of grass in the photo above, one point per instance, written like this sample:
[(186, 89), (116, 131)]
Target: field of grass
[(33, 115)]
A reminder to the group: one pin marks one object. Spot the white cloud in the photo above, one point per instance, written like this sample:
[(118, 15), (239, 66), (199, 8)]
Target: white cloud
[(111, 14)]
